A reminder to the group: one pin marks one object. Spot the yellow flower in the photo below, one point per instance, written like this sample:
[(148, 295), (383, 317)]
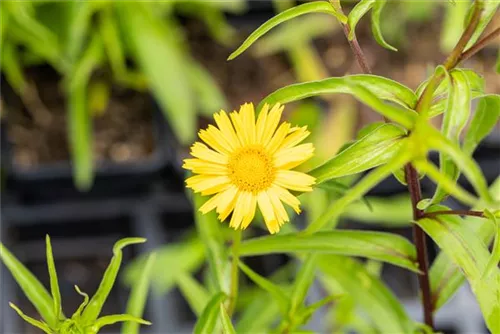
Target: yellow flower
[(249, 163)]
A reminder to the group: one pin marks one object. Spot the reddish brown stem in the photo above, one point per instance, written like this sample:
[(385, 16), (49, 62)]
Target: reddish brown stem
[(420, 243), (454, 212), (357, 51), (479, 45)]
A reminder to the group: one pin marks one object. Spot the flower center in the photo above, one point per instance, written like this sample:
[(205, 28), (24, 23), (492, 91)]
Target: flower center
[(251, 169)]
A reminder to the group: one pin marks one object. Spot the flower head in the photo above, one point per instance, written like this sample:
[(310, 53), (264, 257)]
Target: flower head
[(248, 163)]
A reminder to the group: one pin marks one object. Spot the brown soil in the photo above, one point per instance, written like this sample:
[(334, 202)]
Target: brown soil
[(123, 132)]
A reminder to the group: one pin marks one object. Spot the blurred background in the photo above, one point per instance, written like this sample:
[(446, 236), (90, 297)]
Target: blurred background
[(101, 100)]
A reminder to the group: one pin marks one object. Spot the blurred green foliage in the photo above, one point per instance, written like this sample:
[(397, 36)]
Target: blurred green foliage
[(141, 45)]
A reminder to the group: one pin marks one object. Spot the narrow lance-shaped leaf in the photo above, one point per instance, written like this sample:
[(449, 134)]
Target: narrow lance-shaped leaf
[(273, 289), (196, 295), (54, 284), (489, 10), (375, 24), (483, 122), (359, 88), (31, 286), (303, 281), (358, 190), (466, 164), (312, 7), (157, 52), (95, 305), (36, 323), (138, 296), (11, 67), (445, 276), (356, 14), (207, 321), (455, 119), (227, 325), (495, 252), (372, 150), (368, 292), (374, 245), (113, 319)]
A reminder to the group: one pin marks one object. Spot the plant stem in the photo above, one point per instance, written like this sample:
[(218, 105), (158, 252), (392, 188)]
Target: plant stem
[(479, 45), (357, 51), (233, 292), (454, 212)]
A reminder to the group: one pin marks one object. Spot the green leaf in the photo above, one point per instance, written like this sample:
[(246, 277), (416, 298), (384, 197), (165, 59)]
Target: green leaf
[(469, 253), (372, 150), (207, 321), (375, 24), (54, 284), (12, 68), (31, 286), (489, 10), (361, 8), (445, 276), (187, 256), (362, 87), (210, 97), (31, 321), (208, 228), (313, 7), (451, 31), (455, 119), (95, 305), (273, 289), (138, 296), (393, 211), (158, 54), (80, 308), (373, 245), (358, 190), (113, 319), (227, 325), (448, 184), (464, 162), (368, 292), (302, 283), (483, 122), (495, 252), (295, 34), (196, 294)]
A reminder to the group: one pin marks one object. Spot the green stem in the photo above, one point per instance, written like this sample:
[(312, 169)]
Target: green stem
[(233, 292)]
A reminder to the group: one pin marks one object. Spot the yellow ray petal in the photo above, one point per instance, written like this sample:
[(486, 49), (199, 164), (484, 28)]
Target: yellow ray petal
[(224, 123), (214, 138), (261, 123), (204, 167), (212, 203), (295, 137), (272, 122), (208, 185), (251, 206), (292, 157), (286, 197), (249, 122), (240, 128), (239, 210), (267, 210), (294, 180), (227, 202), (275, 142), (279, 209), (203, 152)]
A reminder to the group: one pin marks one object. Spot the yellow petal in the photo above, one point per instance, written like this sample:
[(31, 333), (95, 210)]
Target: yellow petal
[(272, 122), (267, 210), (225, 126), (251, 206), (204, 167), (203, 152), (294, 137), (239, 210), (275, 142), (289, 158), (213, 137), (208, 185), (248, 118), (240, 129), (227, 202), (279, 209), (261, 123), (211, 204), (294, 180), (286, 197)]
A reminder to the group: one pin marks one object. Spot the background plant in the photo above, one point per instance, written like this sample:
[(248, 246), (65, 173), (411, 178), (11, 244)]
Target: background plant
[(142, 44)]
